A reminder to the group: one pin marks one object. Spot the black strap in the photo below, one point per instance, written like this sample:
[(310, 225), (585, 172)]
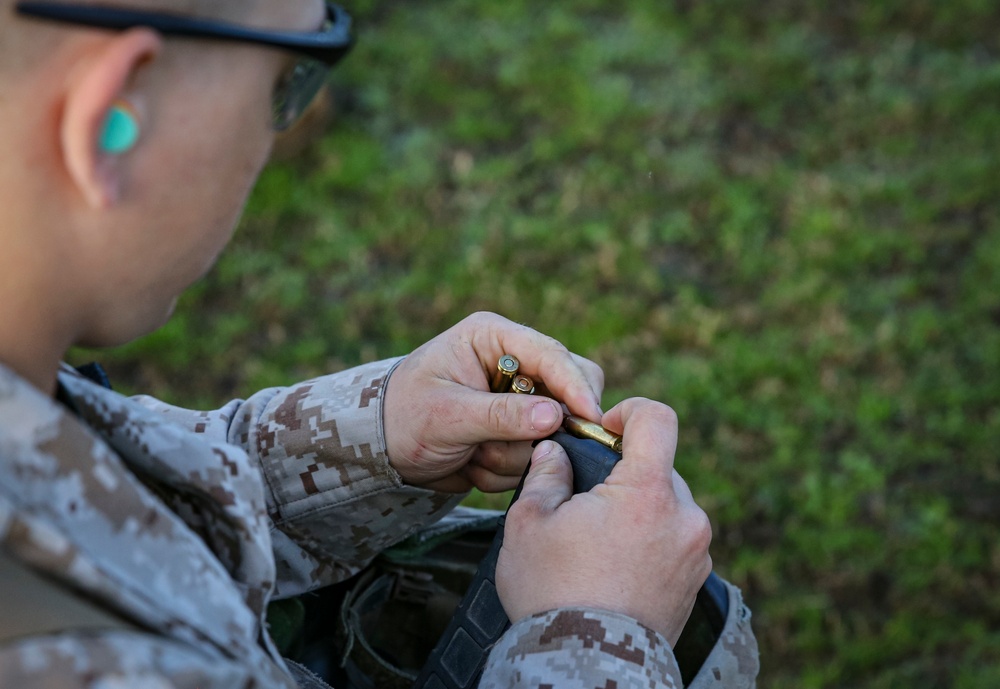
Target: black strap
[(458, 659), (95, 373)]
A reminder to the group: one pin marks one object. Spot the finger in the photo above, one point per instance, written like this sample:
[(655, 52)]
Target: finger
[(472, 417), (591, 371), (497, 467), (649, 440), (549, 482), (681, 488), (452, 483), (503, 458), (594, 375), (567, 378), (487, 481), (546, 359)]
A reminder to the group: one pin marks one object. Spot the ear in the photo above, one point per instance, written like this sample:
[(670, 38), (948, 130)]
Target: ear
[(91, 92)]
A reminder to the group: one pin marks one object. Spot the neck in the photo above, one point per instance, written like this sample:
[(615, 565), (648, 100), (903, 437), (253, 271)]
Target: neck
[(38, 370), (40, 293), (37, 303), (30, 348)]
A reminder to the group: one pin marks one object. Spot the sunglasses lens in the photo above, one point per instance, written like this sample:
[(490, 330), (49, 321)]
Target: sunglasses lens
[(295, 91)]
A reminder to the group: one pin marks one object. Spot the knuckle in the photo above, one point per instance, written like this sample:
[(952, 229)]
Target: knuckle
[(556, 344), (597, 373), (553, 347), (499, 414), (589, 369), (645, 411), (659, 413), (707, 566), (481, 321), (635, 407), (488, 455), (558, 347), (480, 317), (699, 529)]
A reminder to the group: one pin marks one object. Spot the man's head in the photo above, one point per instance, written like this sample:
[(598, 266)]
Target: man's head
[(103, 241)]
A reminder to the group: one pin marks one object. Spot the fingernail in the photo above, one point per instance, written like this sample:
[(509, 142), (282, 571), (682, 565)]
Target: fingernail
[(543, 416), (543, 450)]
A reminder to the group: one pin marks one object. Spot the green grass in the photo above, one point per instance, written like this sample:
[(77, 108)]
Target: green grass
[(780, 218)]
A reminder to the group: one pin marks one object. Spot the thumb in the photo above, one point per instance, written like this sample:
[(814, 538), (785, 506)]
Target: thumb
[(484, 416), (549, 482)]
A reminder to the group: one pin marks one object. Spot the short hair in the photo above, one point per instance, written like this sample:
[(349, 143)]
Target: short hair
[(20, 47)]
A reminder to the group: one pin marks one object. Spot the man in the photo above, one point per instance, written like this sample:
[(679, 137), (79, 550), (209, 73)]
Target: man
[(141, 542)]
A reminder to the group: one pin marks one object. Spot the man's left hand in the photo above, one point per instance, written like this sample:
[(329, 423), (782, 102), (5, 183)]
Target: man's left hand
[(446, 431)]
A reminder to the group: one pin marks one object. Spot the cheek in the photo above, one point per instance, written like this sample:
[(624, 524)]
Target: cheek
[(245, 173), (247, 154), (228, 174), (209, 153), (227, 199)]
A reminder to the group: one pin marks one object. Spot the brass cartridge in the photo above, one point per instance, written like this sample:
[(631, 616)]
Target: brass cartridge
[(523, 385), (504, 375), (582, 428)]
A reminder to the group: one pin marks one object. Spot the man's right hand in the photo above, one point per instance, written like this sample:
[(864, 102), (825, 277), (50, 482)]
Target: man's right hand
[(636, 544)]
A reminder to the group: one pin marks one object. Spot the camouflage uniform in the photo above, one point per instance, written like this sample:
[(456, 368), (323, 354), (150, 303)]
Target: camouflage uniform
[(577, 648), (183, 525)]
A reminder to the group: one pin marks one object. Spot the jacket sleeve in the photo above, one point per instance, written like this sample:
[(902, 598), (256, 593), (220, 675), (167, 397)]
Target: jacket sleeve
[(332, 496), (581, 648)]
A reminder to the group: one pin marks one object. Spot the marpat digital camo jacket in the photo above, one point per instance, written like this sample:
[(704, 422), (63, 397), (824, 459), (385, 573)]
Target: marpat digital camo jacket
[(182, 525)]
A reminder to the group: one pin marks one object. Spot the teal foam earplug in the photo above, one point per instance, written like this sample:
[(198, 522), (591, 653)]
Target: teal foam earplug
[(121, 130)]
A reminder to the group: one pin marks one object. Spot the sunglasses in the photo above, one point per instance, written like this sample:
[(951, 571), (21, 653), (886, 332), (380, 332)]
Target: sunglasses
[(317, 51)]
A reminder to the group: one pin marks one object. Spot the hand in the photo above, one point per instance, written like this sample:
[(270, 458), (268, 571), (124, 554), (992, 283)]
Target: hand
[(636, 544), (445, 430)]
